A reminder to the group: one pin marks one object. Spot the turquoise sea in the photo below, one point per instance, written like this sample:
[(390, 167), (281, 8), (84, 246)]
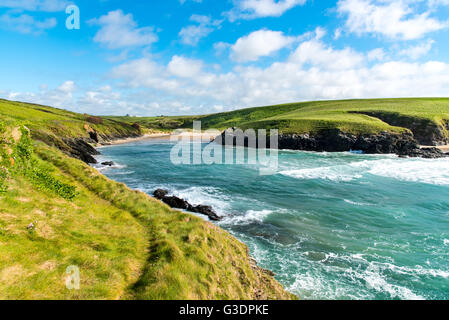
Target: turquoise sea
[(331, 226)]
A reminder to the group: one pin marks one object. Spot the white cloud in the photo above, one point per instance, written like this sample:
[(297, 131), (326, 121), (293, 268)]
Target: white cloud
[(416, 52), (35, 5), (26, 24), (258, 44), (313, 71), (376, 54), (316, 54), (67, 87), (145, 73), (337, 33), (184, 1), (390, 18), (251, 9), (60, 97), (119, 30), (184, 68), (192, 34)]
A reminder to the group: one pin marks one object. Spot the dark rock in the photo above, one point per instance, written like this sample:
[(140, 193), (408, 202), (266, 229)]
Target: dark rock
[(208, 211), (108, 163), (428, 153), (176, 203), (94, 136), (179, 203), (160, 194), (81, 150), (403, 144)]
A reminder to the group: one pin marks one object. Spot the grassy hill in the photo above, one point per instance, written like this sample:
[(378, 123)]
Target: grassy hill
[(427, 118), (56, 212)]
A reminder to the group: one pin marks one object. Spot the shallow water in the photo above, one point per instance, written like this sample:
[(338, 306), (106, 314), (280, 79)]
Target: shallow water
[(331, 226)]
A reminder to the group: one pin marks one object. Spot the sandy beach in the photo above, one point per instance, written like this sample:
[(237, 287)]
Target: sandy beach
[(128, 140), (203, 136)]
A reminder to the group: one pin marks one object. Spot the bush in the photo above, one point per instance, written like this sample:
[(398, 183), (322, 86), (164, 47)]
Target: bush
[(94, 120), (44, 180), (3, 176), (34, 170), (137, 126), (4, 160)]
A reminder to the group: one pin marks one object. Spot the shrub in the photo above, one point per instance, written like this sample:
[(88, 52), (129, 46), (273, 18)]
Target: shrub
[(42, 178), (34, 170), (4, 160), (3, 176), (94, 120)]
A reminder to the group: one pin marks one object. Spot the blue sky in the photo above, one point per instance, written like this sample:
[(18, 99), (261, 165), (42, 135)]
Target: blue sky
[(151, 57)]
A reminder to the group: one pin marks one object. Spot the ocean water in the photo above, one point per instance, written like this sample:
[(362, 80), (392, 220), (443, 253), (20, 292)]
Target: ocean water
[(330, 225)]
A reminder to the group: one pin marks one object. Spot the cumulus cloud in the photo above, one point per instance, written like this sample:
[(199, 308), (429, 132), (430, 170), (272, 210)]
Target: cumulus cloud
[(26, 24), (314, 70), (389, 18), (35, 5), (251, 9), (316, 54), (61, 97), (258, 44), (193, 33), (184, 68), (417, 51), (119, 30)]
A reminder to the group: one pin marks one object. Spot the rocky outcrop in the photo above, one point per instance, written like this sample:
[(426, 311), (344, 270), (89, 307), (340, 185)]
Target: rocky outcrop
[(179, 203), (425, 131), (428, 153), (82, 150), (108, 163), (334, 140)]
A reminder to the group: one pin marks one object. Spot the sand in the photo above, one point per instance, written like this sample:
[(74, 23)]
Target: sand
[(165, 136)]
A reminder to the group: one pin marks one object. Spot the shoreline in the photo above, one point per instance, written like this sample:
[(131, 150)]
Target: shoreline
[(196, 136), (133, 139), (443, 148)]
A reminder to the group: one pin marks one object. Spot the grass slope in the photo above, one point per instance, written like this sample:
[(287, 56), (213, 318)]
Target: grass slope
[(347, 115), (126, 244), (53, 125), (352, 116)]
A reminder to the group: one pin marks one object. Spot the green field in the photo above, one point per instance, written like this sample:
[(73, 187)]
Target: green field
[(347, 115), (57, 212), (351, 116)]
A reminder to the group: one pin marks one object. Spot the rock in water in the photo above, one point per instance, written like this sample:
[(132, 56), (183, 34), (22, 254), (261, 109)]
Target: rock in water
[(208, 211), (428, 153), (160, 194), (108, 163), (179, 203)]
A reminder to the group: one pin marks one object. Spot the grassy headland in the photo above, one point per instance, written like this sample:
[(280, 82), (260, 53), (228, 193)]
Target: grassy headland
[(427, 118), (56, 211)]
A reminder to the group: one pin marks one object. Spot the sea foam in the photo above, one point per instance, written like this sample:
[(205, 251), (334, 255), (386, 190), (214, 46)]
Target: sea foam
[(412, 170)]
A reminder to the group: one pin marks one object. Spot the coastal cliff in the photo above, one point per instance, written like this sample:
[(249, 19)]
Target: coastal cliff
[(334, 140)]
